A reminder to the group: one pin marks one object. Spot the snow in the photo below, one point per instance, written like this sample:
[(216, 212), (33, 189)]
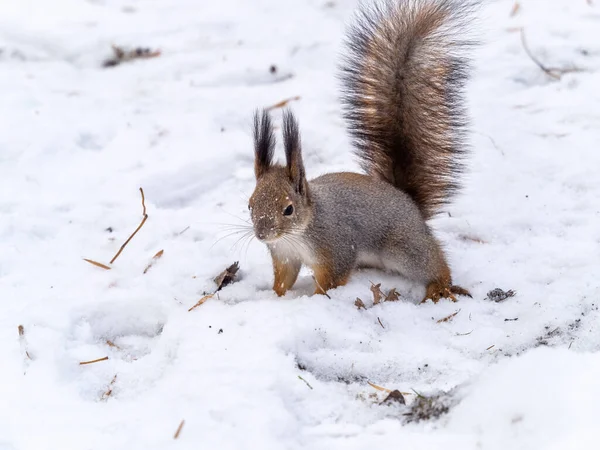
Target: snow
[(77, 141)]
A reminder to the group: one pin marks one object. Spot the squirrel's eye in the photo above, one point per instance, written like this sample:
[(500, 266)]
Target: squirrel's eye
[(288, 211)]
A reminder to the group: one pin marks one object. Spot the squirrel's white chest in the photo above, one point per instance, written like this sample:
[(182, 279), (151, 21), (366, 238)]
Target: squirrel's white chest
[(293, 250)]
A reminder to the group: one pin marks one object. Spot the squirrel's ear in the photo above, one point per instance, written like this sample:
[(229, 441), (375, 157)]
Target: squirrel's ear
[(293, 152), (264, 143)]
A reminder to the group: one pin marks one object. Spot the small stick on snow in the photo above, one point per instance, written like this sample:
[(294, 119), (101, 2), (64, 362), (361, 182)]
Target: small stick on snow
[(178, 432), (379, 320), (283, 103), (83, 363), (379, 388), (136, 230), (448, 318), (535, 60), (307, 383), (183, 231), (464, 334), (555, 73), (491, 347), (97, 264)]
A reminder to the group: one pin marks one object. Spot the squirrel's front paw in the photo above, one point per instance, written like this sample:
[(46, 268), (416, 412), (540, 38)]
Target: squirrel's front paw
[(436, 291)]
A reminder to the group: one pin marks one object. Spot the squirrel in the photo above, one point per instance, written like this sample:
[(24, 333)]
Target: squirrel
[(403, 79)]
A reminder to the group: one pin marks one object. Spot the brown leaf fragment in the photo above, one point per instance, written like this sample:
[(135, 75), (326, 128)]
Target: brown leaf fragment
[(153, 260), (21, 330), (97, 264), (227, 276), (179, 428), (201, 301), (392, 296), (394, 397), (448, 318), (377, 294), (359, 303)]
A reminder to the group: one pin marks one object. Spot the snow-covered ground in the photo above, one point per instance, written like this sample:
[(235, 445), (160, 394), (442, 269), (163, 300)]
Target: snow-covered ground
[(78, 140)]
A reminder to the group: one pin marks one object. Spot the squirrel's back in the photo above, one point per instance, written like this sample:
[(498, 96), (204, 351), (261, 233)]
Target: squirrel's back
[(403, 80)]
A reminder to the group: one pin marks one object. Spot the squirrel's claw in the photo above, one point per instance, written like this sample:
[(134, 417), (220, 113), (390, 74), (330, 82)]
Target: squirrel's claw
[(436, 291), (460, 291)]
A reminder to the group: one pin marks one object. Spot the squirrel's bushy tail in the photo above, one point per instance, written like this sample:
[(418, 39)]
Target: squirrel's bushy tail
[(403, 81)]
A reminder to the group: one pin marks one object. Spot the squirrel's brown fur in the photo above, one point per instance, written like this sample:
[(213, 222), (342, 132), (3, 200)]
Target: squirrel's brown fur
[(402, 82)]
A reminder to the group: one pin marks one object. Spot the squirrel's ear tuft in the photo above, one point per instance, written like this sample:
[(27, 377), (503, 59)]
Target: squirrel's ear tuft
[(264, 143), (293, 152)]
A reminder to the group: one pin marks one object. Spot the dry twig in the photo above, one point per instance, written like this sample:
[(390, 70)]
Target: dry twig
[(153, 260), (178, 432), (379, 320), (307, 383), (83, 363), (136, 230), (463, 334), (283, 103), (554, 73), (97, 264), (379, 388), (389, 391), (448, 318), (201, 301)]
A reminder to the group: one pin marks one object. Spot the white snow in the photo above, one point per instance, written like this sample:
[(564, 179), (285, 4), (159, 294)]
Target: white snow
[(77, 141)]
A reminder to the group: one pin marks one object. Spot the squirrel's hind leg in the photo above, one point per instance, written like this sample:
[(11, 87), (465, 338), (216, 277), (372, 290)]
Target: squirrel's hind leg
[(420, 257)]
